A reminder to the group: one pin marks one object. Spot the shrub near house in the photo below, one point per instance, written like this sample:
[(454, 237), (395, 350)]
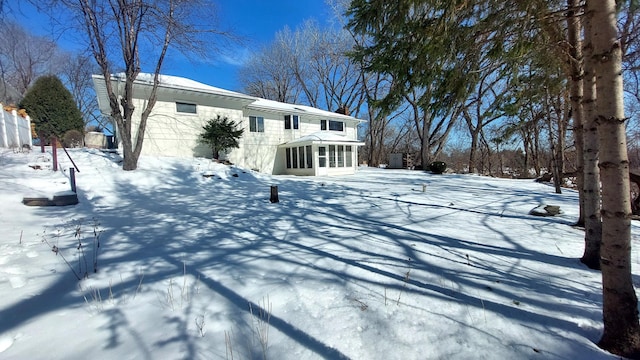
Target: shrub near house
[(438, 167)]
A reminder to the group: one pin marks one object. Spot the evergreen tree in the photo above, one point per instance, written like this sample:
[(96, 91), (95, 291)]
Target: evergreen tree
[(443, 49), (52, 107), (220, 134)]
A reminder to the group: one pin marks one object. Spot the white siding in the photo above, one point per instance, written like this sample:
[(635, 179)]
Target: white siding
[(260, 150), (170, 133)]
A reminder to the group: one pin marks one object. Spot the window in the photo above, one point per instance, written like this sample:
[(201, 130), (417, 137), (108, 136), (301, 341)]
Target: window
[(336, 125), (333, 125), (322, 156), (288, 151), (301, 156), (309, 157), (340, 155), (290, 120), (348, 156), (186, 108), (332, 156), (256, 124), (294, 158)]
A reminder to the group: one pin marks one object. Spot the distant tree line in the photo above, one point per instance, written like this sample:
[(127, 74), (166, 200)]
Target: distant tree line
[(26, 57), (501, 88)]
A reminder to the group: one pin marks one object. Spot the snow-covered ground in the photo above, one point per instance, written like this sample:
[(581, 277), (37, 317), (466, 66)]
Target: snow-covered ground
[(358, 267)]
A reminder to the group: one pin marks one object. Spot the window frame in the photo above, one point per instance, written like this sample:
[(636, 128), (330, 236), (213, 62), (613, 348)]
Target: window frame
[(332, 156), (288, 157), (294, 157), (334, 123), (348, 156), (309, 153), (291, 122), (340, 154), (180, 108), (322, 156), (301, 157), (256, 124)]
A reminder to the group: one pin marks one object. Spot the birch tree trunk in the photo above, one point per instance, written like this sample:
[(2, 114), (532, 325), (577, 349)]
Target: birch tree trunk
[(576, 95), (620, 305), (591, 185)]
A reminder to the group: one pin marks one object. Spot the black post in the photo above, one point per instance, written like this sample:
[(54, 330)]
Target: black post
[(72, 176), (274, 194), (54, 152)]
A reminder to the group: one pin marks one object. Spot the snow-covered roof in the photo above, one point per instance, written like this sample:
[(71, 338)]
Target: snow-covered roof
[(184, 84), (324, 137), (177, 82), (270, 105)]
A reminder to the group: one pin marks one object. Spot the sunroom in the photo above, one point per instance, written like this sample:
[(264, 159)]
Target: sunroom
[(318, 154)]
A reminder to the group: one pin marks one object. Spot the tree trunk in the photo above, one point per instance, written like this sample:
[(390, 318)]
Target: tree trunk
[(425, 145), (576, 95), (536, 151), (562, 122), (591, 184), (474, 131), (621, 334), (473, 153), (555, 162)]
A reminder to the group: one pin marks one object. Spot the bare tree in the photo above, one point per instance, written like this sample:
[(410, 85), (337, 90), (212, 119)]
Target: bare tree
[(433, 127), (25, 57), (483, 106), (134, 35), (268, 75), (380, 122), (326, 76), (76, 74), (629, 31)]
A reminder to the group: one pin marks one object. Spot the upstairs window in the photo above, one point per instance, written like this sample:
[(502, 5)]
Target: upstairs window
[(256, 124), (186, 108), (291, 121), (332, 125), (336, 125)]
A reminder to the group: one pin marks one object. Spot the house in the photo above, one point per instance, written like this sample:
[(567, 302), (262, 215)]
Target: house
[(278, 138)]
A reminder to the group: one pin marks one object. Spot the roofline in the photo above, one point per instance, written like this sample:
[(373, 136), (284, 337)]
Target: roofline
[(321, 141), (296, 111), (220, 93)]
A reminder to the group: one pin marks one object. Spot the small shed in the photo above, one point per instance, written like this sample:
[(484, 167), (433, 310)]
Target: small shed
[(401, 161), (96, 140)]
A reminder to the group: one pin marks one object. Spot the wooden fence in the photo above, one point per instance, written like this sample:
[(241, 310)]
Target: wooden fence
[(15, 130)]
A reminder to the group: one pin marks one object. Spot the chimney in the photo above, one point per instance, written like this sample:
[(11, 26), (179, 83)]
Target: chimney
[(343, 110)]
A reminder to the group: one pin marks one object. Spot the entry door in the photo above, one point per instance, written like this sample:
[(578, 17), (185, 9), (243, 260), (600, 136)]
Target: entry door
[(322, 161)]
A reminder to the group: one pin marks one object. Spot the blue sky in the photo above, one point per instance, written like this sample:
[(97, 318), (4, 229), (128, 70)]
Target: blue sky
[(256, 21)]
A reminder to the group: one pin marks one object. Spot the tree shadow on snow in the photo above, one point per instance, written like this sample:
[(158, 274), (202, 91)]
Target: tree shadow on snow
[(226, 228)]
